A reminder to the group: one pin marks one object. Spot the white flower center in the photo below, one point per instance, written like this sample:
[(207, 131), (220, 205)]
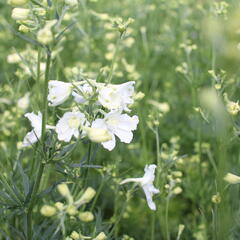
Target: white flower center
[(74, 122), (112, 121)]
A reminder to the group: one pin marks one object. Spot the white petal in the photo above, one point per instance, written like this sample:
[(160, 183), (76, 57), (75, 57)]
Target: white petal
[(124, 136), (137, 180), (36, 120), (31, 138), (148, 194), (109, 145)]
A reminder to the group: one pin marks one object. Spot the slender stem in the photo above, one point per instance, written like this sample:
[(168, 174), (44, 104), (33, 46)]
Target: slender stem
[(42, 164), (157, 181), (88, 162), (166, 219), (114, 60)]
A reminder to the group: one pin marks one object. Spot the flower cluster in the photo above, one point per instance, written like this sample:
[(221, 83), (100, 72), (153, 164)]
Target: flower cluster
[(102, 124)]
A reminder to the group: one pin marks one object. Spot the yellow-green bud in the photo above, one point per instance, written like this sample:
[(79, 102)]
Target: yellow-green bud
[(24, 29), (20, 13), (45, 36), (216, 198), (17, 2), (48, 211), (64, 191), (72, 210), (177, 190), (39, 11), (86, 216), (71, 2), (232, 179), (75, 236), (59, 206), (101, 236), (98, 135), (87, 196)]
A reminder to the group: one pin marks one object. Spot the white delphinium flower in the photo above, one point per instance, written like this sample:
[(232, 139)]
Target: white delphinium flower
[(82, 93), (34, 135), (146, 183), (117, 124), (58, 92), (116, 96), (69, 125)]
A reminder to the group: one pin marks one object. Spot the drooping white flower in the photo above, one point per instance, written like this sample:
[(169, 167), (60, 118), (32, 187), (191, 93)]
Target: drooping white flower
[(117, 124), (116, 96), (58, 92), (146, 183), (69, 125), (83, 92), (34, 135)]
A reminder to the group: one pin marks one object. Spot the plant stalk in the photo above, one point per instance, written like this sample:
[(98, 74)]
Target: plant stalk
[(42, 164)]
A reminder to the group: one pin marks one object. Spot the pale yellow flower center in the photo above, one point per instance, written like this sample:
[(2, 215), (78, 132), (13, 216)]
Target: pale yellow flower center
[(74, 122)]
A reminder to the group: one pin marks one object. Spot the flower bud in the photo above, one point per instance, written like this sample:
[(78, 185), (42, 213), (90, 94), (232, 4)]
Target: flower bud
[(216, 198), (71, 2), (64, 191), (87, 196), (45, 36), (17, 2), (59, 206), (101, 236), (177, 190), (86, 216), (232, 179), (75, 236), (24, 29), (48, 211), (72, 210), (98, 135), (20, 13)]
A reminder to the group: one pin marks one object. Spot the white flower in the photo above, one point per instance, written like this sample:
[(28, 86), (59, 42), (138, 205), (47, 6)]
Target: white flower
[(69, 125), (146, 183), (114, 97), (58, 92), (117, 124), (33, 136), (83, 93), (20, 13), (23, 102)]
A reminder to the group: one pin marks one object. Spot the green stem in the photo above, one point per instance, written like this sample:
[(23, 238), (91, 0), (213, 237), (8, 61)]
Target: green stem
[(42, 164), (88, 162), (114, 60), (166, 219)]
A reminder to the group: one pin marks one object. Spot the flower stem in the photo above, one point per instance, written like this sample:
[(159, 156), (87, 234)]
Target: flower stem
[(42, 164), (166, 219), (114, 59)]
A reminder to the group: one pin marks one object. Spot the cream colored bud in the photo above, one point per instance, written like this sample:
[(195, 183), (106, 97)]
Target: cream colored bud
[(177, 190), (101, 236), (39, 11), (75, 236), (23, 102), (48, 211), (216, 198), (71, 2), (13, 58), (63, 189), (177, 173), (86, 216), (59, 206), (20, 13), (72, 210), (98, 135), (87, 196), (24, 29), (45, 36), (232, 179), (17, 2)]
